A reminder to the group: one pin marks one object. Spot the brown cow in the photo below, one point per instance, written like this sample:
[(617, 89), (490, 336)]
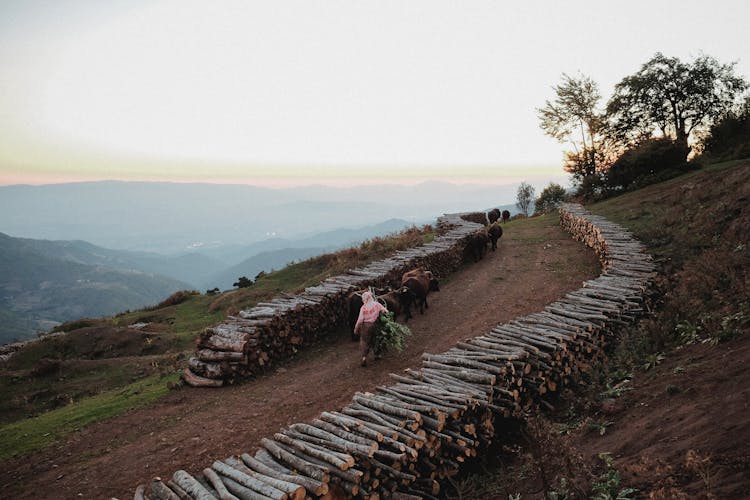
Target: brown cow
[(421, 283), (398, 302)]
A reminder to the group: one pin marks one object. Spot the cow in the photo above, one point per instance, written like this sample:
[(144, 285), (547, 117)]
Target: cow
[(494, 232), (493, 215), (354, 303), (476, 246), (399, 302), (506, 216), (421, 283)]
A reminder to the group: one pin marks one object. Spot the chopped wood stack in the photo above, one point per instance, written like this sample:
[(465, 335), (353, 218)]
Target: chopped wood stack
[(244, 345), (477, 217), (402, 441)]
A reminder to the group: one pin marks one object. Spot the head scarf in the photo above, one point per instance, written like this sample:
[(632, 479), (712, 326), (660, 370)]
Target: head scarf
[(370, 309)]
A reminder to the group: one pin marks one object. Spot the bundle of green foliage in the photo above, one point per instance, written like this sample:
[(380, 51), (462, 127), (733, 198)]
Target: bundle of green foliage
[(651, 161), (390, 334)]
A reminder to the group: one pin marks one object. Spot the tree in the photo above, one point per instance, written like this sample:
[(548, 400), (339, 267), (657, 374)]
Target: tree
[(243, 282), (574, 110), (524, 197), (672, 98), (549, 199)]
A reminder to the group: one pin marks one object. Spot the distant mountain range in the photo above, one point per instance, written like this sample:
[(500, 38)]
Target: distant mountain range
[(278, 252), (43, 283), (39, 289), (57, 257), (175, 218)]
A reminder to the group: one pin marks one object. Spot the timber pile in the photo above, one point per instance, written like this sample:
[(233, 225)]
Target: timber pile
[(402, 441), (244, 345), (476, 217)]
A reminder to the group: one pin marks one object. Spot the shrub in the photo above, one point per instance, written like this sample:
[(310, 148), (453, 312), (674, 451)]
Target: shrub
[(243, 282), (76, 324), (651, 161), (729, 138), (176, 298), (550, 199)]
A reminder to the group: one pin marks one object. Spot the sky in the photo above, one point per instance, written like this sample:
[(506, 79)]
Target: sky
[(333, 92)]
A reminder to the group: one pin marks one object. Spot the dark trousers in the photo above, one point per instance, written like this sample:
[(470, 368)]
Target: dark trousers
[(366, 337)]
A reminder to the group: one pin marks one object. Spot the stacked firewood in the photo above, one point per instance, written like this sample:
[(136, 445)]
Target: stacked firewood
[(246, 344), (404, 440), (477, 217)]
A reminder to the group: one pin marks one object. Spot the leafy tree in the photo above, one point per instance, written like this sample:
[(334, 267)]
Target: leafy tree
[(673, 98), (524, 197), (549, 199), (243, 282), (574, 111)]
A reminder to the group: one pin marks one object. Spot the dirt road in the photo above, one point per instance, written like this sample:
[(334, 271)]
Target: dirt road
[(188, 429)]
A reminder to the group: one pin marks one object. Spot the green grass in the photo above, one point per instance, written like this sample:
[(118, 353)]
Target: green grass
[(38, 432), (695, 226)]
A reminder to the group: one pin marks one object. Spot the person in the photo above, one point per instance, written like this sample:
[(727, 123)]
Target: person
[(365, 326)]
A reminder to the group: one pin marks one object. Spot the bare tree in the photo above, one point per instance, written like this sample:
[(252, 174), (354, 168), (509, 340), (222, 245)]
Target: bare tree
[(524, 197)]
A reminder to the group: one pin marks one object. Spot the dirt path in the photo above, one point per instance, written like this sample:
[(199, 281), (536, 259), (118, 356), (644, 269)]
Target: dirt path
[(534, 265)]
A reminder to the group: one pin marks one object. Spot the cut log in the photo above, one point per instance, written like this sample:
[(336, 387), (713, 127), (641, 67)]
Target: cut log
[(313, 486), (220, 488), (248, 481), (191, 486), (194, 380)]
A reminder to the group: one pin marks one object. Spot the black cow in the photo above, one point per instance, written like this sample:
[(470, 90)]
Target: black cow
[(494, 232), (399, 302), (476, 246), (493, 215), (506, 216)]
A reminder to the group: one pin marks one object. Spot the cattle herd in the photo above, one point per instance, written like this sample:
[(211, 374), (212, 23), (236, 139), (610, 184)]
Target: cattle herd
[(413, 290), (418, 283)]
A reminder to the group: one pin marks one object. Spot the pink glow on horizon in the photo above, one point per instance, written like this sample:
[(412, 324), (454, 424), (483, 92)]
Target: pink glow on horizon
[(270, 182)]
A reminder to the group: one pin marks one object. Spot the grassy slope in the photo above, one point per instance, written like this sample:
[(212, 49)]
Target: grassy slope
[(696, 226), (102, 368)]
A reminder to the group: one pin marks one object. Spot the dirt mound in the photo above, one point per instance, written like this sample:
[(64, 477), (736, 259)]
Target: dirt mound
[(682, 420)]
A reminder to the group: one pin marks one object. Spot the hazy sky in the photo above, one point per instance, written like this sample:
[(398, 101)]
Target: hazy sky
[(324, 91)]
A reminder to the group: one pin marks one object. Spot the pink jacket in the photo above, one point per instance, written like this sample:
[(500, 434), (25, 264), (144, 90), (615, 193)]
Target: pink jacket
[(369, 311)]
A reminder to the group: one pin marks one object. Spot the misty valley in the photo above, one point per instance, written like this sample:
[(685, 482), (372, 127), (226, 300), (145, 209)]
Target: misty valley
[(98, 249)]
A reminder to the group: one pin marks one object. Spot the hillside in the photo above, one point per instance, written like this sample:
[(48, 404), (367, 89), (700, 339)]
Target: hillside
[(126, 280), (536, 261), (667, 416), (670, 405), (275, 253), (46, 283)]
